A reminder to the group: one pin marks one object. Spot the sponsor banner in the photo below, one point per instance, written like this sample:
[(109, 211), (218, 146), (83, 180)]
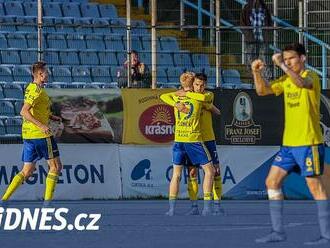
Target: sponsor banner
[(147, 120), (88, 115), (146, 171), (248, 119), (88, 172)]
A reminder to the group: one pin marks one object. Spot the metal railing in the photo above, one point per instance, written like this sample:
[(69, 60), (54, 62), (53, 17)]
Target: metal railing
[(277, 22)]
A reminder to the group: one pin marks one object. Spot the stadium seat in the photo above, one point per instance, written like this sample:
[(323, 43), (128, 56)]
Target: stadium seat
[(31, 8), (164, 59), (89, 10), (71, 9), (76, 41), (16, 41), (200, 60), (5, 74), (121, 57), (88, 58), (2, 128), (174, 74), (14, 8), (139, 27), (146, 42), (14, 125), (56, 41), (101, 26), (29, 57), (26, 24), (2, 95), (169, 44), (161, 75), (118, 27), (10, 57), (145, 57), (52, 9), (83, 25), (114, 43), (101, 74), (108, 58), (48, 23), (231, 76), (135, 43), (12, 91), (64, 25), (211, 76), (61, 74), (51, 57), (7, 24), (6, 108), (22, 73), (69, 58), (2, 10), (108, 11), (182, 59), (32, 40), (81, 74), (95, 42), (3, 42), (18, 106)]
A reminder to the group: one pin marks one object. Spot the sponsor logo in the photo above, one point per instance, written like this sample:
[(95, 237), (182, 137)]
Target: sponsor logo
[(44, 219), (81, 174), (157, 123), (141, 174), (242, 130)]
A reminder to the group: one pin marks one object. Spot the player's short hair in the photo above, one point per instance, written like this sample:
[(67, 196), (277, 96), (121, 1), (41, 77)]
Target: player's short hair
[(38, 66), (187, 79), (201, 76), (297, 47)]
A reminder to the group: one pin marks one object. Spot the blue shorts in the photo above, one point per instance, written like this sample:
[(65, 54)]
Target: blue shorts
[(196, 152), (305, 160), (36, 149), (212, 148), (327, 155)]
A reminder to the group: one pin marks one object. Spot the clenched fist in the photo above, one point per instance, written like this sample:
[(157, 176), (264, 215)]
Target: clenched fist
[(277, 59), (257, 65)]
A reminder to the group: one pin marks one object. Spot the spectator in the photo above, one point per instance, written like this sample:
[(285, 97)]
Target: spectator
[(256, 15), (140, 76)]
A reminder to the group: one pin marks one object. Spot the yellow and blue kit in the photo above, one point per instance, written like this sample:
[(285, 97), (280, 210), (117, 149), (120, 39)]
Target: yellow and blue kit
[(188, 136), (36, 143), (302, 138)]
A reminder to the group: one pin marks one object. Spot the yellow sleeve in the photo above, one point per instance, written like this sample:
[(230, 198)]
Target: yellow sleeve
[(168, 98), (32, 92), (277, 85), (196, 96), (313, 77)]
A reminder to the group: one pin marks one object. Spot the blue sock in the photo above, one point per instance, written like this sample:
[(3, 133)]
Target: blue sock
[(324, 218), (276, 215)]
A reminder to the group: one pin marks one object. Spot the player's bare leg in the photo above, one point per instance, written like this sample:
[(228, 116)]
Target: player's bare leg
[(174, 188), (207, 188)]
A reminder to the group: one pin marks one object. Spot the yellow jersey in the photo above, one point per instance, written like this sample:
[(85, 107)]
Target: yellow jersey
[(37, 97), (302, 110), (187, 126)]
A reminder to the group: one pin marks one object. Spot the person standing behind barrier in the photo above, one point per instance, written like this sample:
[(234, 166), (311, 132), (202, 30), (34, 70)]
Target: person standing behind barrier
[(302, 150), (140, 76), (254, 17), (188, 140), (38, 141)]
